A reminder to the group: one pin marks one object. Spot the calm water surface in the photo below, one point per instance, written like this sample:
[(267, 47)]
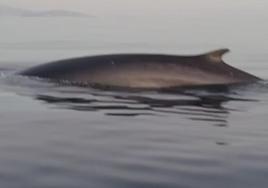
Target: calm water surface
[(62, 136)]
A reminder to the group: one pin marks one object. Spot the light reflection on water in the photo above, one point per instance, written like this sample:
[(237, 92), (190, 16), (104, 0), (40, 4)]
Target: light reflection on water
[(65, 136)]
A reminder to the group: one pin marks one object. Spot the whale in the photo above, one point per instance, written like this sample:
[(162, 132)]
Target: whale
[(143, 71)]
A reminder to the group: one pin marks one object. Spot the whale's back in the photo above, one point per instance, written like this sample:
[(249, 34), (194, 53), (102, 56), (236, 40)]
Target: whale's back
[(143, 70)]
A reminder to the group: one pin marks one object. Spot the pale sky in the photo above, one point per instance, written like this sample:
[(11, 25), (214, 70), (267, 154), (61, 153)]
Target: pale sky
[(140, 6)]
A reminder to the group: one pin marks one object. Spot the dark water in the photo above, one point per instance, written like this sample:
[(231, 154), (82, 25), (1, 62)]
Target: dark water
[(62, 136)]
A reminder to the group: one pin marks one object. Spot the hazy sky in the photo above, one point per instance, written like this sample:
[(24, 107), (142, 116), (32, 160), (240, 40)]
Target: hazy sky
[(139, 6)]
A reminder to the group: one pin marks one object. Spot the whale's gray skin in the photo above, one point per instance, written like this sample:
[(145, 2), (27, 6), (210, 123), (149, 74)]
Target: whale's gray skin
[(143, 71)]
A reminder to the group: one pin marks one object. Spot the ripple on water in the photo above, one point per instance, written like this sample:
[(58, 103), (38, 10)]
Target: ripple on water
[(65, 136)]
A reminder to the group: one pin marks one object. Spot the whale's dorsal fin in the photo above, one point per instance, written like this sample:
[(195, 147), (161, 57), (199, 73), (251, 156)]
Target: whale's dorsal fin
[(216, 56)]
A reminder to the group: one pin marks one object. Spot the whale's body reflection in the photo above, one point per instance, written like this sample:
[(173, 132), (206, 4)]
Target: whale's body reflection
[(199, 104), (204, 104)]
